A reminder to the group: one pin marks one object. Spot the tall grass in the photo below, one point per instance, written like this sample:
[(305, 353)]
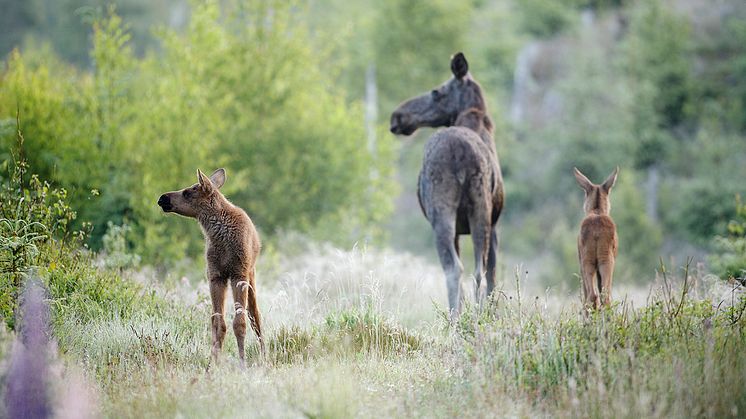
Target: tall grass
[(363, 332), (337, 348)]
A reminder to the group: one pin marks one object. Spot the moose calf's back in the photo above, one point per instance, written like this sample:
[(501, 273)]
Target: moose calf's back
[(233, 244)]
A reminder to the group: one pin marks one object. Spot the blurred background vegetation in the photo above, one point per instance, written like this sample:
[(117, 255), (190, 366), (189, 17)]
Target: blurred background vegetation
[(121, 101)]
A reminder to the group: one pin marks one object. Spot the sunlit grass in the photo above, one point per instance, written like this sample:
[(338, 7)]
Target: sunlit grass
[(338, 346)]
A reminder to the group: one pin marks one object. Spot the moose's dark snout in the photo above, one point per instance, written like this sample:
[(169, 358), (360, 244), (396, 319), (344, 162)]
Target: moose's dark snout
[(402, 124), (395, 123), (164, 202)]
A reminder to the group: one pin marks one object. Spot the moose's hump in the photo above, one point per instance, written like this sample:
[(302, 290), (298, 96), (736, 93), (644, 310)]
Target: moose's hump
[(458, 148)]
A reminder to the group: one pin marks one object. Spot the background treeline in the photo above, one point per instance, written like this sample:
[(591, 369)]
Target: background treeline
[(242, 89), (119, 110)]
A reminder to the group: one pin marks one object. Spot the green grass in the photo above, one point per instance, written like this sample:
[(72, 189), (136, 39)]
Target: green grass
[(336, 347)]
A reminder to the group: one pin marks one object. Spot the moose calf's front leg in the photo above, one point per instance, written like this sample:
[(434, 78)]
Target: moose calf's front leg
[(217, 294)]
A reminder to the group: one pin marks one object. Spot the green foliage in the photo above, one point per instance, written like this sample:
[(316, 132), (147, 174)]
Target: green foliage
[(659, 58), (703, 212), (640, 238), (18, 245), (723, 80), (64, 24), (36, 235), (366, 331), (545, 18), (31, 214), (419, 36), (230, 91), (116, 249), (729, 256), (348, 333), (81, 292), (36, 202)]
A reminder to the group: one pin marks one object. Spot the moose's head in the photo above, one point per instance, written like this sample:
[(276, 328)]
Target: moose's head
[(441, 106), (192, 200)]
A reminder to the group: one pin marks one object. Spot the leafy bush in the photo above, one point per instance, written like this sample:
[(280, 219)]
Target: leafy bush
[(35, 223), (116, 250), (31, 214), (31, 200), (729, 256)]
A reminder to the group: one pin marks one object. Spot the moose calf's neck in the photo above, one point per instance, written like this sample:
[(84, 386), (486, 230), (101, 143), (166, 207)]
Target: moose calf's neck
[(218, 219), (477, 120), (596, 203)]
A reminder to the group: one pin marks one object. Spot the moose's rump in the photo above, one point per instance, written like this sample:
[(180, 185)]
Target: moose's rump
[(460, 177), (597, 242)]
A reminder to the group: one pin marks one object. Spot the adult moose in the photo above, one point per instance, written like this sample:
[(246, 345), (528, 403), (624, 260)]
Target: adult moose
[(460, 185)]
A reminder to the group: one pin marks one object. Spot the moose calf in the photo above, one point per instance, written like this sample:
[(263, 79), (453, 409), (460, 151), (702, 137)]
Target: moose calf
[(232, 248), (597, 242)]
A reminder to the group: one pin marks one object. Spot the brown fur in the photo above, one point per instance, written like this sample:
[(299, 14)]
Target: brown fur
[(232, 248), (597, 241)]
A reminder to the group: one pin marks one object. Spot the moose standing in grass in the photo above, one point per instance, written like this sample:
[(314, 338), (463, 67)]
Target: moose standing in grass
[(232, 248), (460, 186), (597, 241)]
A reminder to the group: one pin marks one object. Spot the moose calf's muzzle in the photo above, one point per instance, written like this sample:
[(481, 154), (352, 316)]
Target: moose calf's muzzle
[(165, 203)]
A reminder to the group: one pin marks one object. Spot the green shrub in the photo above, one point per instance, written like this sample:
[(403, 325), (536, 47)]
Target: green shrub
[(31, 215), (729, 256), (116, 249), (365, 331), (35, 224)]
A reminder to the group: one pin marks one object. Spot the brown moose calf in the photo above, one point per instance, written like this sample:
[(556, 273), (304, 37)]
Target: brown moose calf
[(232, 248), (597, 242)]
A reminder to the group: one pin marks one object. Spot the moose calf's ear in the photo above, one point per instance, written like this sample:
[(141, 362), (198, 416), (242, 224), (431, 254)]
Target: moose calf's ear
[(611, 180), (218, 177), (459, 65), (583, 181), (204, 181)]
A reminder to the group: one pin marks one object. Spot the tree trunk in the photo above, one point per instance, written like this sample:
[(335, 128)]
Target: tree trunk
[(651, 193)]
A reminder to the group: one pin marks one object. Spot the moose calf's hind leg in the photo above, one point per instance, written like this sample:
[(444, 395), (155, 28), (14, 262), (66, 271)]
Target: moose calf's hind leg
[(590, 288), (253, 311), (217, 294), (606, 270), (240, 291)]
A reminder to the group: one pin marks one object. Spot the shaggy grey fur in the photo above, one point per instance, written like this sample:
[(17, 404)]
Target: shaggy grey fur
[(460, 186)]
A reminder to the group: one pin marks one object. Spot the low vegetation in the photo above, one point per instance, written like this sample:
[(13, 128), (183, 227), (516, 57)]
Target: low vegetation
[(143, 345)]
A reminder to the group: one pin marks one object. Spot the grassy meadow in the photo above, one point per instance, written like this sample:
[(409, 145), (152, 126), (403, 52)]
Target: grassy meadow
[(363, 332)]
